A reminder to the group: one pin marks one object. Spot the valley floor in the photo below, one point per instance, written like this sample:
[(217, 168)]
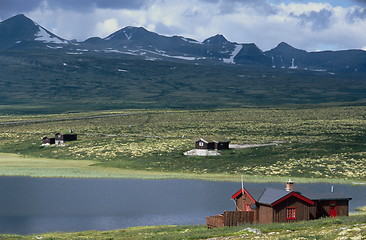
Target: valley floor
[(325, 144), (17, 165)]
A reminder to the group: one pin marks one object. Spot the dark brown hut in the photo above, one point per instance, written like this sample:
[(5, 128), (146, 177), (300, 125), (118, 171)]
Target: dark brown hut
[(62, 138), (211, 144), (48, 141)]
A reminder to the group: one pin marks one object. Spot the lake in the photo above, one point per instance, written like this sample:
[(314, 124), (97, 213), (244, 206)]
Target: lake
[(38, 205)]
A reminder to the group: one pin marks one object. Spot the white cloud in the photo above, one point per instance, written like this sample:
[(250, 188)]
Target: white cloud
[(107, 26)]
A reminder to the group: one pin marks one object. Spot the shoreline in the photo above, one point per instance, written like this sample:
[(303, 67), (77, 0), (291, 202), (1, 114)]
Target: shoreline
[(339, 225), (13, 165)]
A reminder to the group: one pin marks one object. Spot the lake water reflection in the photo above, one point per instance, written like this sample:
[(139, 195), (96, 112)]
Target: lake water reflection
[(38, 205)]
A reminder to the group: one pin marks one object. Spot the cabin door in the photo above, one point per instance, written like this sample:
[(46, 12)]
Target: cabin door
[(332, 209)]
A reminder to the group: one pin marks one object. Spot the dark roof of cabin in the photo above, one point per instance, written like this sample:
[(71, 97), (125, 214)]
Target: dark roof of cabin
[(208, 140), (266, 195), (66, 134), (335, 195), (256, 193), (271, 195)]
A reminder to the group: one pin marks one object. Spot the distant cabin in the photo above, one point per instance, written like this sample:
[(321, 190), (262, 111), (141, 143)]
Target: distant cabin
[(48, 141), (62, 138), (269, 205), (211, 144)]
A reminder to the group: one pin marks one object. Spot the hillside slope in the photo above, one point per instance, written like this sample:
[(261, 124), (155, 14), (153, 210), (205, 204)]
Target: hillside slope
[(67, 81)]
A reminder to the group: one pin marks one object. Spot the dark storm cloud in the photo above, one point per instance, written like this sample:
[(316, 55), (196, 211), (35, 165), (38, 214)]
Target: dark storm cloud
[(319, 20), (8, 8)]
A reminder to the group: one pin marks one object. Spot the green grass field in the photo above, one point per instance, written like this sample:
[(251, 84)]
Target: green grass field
[(313, 143)]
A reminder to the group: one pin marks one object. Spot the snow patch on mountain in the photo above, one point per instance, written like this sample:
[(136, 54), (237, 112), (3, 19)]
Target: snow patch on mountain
[(129, 52), (190, 40), (127, 36), (293, 66), (54, 47), (180, 57), (233, 54), (43, 36)]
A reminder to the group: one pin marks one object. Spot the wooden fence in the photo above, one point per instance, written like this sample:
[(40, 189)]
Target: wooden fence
[(215, 221), (230, 219)]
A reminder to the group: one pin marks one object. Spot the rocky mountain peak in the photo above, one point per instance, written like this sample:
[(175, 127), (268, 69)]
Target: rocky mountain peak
[(217, 39)]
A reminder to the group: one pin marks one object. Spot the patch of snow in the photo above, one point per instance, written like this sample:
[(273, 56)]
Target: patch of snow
[(44, 36), (54, 47), (151, 59), (233, 54), (202, 152), (117, 51), (318, 70), (160, 51), (283, 66), (127, 36), (191, 41), (180, 57), (293, 64)]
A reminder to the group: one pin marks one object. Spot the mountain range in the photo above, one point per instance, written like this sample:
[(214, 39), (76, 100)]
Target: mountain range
[(41, 72), (21, 33)]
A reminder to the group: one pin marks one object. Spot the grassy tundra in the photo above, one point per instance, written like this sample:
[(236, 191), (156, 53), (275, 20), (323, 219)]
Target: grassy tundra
[(323, 143)]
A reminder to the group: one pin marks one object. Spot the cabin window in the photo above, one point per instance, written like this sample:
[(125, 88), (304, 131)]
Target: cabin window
[(291, 213), (247, 207), (201, 144)]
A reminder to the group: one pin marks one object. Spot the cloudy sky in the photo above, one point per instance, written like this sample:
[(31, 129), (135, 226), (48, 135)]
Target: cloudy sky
[(307, 24)]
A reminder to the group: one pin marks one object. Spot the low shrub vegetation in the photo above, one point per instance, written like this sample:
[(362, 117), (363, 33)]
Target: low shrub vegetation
[(321, 142)]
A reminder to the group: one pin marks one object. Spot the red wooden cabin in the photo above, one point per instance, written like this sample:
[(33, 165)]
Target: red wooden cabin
[(268, 205)]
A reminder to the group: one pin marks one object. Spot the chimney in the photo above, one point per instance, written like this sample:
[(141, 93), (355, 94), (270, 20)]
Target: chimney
[(289, 186)]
